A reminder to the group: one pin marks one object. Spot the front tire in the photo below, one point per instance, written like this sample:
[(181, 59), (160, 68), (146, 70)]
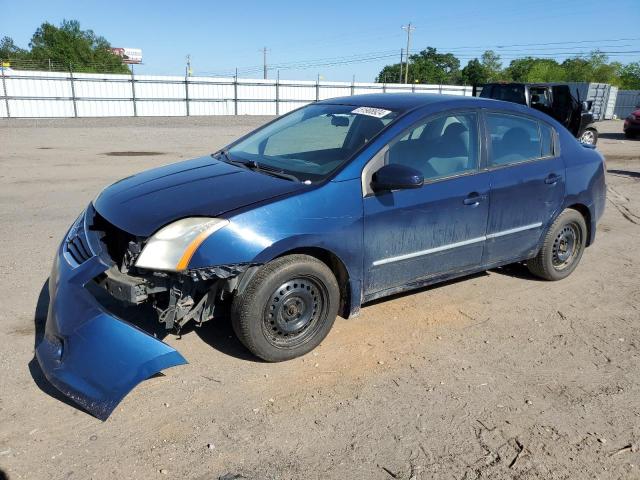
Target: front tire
[(287, 308), (562, 247), (589, 136)]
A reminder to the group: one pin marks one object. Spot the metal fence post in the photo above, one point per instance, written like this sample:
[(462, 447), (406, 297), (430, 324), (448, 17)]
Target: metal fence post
[(235, 93), (4, 89), (186, 93), (353, 85), (133, 93), (384, 88), (318, 88), (413, 88), (278, 93), (73, 93)]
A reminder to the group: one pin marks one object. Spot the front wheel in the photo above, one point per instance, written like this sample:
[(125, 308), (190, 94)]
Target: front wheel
[(562, 247), (589, 136), (287, 308)]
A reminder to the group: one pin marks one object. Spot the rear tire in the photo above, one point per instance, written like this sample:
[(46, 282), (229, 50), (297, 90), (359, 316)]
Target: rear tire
[(562, 247), (589, 136), (287, 308)]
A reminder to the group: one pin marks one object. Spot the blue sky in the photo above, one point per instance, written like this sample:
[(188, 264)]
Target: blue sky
[(220, 36)]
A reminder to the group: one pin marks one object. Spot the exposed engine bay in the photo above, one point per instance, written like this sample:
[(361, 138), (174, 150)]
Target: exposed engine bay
[(177, 297)]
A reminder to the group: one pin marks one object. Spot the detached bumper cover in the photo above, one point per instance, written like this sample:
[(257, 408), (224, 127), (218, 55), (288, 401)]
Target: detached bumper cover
[(90, 355)]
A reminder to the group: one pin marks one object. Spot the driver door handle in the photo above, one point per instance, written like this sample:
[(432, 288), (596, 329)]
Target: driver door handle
[(473, 199), (552, 179)]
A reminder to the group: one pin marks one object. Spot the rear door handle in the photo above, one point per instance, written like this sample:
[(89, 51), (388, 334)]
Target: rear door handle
[(552, 179), (473, 199)]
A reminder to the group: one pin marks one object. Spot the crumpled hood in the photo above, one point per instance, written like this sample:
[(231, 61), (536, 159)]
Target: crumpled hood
[(145, 202)]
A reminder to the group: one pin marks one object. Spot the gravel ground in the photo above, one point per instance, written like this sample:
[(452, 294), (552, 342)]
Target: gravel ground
[(497, 375)]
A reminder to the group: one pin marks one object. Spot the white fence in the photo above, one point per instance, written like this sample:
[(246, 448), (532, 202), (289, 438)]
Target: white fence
[(27, 94)]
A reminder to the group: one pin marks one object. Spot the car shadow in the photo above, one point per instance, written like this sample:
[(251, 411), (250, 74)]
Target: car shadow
[(625, 173), (612, 135), (515, 270)]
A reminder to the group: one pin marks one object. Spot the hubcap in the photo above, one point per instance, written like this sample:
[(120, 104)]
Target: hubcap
[(566, 246), (587, 137), (294, 312)]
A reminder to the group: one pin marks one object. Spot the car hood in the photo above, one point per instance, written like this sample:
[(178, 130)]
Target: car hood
[(143, 203)]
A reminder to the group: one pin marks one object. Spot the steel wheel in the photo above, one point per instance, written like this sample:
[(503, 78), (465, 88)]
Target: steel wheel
[(588, 137), (294, 312), (566, 246)]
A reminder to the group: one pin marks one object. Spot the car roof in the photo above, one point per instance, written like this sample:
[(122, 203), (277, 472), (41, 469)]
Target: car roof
[(400, 102)]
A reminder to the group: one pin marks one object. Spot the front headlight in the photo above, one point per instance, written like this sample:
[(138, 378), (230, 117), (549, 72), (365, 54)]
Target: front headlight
[(172, 247)]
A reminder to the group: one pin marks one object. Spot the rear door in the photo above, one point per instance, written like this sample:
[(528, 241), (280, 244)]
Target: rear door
[(527, 178)]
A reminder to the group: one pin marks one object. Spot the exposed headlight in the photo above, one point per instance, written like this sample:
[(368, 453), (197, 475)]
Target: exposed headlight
[(172, 247)]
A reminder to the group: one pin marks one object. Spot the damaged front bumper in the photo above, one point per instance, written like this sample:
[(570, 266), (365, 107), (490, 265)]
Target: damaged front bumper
[(90, 355)]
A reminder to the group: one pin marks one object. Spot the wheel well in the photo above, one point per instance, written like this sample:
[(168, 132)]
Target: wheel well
[(586, 214), (337, 267)]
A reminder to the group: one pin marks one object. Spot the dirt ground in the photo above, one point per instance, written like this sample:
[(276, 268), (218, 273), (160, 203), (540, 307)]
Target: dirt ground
[(496, 375)]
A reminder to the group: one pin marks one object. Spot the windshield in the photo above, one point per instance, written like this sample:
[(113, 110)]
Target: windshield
[(312, 142)]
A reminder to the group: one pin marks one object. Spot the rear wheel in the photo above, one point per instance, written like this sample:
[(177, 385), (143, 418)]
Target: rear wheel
[(287, 308), (589, 136), (562, 248)]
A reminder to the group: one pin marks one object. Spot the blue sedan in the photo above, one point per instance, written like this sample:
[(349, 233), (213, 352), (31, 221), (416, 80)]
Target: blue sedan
[(326, 208)]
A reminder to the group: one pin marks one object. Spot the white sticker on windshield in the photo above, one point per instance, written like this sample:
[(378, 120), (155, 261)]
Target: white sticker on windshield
[(371, 111)]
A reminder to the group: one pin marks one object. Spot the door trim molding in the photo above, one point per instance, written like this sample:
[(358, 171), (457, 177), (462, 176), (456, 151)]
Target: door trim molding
[(449, 246)]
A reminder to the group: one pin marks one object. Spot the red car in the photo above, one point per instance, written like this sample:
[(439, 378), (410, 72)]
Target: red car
[(632, 124)]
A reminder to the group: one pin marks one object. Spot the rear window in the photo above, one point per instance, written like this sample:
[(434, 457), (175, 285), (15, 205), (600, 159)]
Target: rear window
[(507, 93)]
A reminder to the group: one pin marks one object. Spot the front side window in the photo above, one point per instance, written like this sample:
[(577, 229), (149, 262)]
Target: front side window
[(443, 146), (312, 142), (513, 139)]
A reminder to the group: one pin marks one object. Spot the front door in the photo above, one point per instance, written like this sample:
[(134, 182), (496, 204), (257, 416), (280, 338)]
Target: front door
[(527, 185), (410, 235)]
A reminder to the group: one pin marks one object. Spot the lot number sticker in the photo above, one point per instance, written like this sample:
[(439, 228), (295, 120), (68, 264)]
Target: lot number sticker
[(371, 111)]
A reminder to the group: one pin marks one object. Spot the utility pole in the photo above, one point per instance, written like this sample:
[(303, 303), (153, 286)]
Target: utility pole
[(409, 28), (187, 69), (401, 60), (264, 61)]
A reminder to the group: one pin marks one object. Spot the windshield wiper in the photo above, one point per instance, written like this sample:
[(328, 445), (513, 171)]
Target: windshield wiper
[(227, 158), (272, 171), (257, 167)]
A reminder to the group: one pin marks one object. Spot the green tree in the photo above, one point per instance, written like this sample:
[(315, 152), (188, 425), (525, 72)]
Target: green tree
[(545, 70), (9, 50), (492, 65), (630, 76), (68, 46), (577, 69), (390, 74), (475, 73), (429, 66)]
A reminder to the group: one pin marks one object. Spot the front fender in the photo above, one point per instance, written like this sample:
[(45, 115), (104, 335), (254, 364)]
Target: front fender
[(328, 217)]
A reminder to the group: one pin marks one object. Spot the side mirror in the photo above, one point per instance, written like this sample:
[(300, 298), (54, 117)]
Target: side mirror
[(339, 121), (396, 177)]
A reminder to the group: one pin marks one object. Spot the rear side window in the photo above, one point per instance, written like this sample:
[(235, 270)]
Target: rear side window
[(546, 137), (513, 139)]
